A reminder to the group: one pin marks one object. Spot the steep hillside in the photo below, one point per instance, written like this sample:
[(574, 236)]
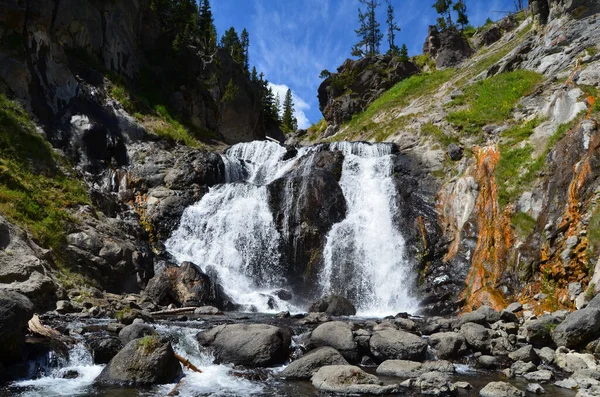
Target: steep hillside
[(510, 134)]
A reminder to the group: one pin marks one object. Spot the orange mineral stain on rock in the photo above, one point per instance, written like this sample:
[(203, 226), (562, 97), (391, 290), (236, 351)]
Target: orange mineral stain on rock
[(495, 237)]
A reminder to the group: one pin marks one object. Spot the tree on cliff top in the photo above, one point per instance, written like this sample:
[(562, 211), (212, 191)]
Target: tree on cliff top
[(392, 28), (369, 31), (288, 121), (206, 27), (445, 7)]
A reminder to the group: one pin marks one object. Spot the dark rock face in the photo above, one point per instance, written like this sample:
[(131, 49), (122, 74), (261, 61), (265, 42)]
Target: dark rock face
[(305, 206), (104, 348), (448, 47), (185, 285), (142, 362), (366, 79), (333, 305), (253, 345), (578, 328), (489, 36), (15, 311)]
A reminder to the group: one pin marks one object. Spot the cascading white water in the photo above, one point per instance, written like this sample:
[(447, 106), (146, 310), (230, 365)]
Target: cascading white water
[(365, 256), (56, 384), (232, 227)]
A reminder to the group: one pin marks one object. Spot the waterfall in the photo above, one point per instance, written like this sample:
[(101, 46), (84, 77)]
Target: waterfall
[(365, 256), (232, 229)]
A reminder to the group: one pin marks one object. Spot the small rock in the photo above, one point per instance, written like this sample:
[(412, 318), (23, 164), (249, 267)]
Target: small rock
[(535, 388), (520, 367), (207, 310), (348, 379), (307, 365), (526, 354), (514, 307), (568, 383), (488, 362), (463, 385), (539, 376), (546, 354), (315, 318), (334, 305), (285, 314), (69, 374), (500, 389), (64, 307), (574, 289), (135, 331), (455, 153)]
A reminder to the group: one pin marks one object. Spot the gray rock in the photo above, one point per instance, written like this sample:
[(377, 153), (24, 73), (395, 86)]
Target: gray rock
[(306, 366), (568, 383), (526, 354), (463, 385), (539, 376), (578, 328), (455, 152), (500, 389), (514, 307), (135, 331), (315, 318), (520, 367), (477, 336), (64, 307), (146, 361), (574, 290), (15, 311), (448, 344), (571, 362), (411, 369), (104, 348), (538, 331), (535, 388), (336, 334), (253, 345), (334, 305), (546, 354), (397, 345), (488, 362), (349, 379), (435, 384), (509, 317)]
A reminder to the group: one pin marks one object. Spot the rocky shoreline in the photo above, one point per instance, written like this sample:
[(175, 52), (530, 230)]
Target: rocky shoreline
[(348, 354)]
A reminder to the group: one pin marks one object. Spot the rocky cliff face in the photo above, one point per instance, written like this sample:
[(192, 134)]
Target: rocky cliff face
[(357, 84)]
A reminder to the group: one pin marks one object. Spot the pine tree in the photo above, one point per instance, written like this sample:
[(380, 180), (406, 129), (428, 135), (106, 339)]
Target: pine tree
[(254, 75), (444, 7), (206, 27), (231, 42), (288, 121), (403, 53), (245, 42), (392, 28), (369, 31), (461, 9)]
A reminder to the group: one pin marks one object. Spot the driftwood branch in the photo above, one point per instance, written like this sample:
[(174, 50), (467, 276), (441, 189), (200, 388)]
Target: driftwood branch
[(174, 311), (36, 327), (187, 363), (175, 390)]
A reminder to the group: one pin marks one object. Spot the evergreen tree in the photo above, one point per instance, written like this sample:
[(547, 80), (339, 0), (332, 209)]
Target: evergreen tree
[(369, 31), (403, 53), (178, 19), (392, 27), (444, 8), (288, 121), (254, 75), (231, 42), (206, 27), (245, 42), (461, 9)]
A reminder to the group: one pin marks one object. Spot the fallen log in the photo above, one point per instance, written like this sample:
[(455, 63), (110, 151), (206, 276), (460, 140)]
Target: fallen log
[(187, 363), (36, 327), (174, 311)]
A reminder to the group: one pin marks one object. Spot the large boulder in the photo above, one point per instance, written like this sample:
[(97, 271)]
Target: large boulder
[(448, 47), (186, 285), (392, 344), (135, 331), (477, 337), (411, 369), (307, 365), (336, 334), (252, 345), (15, 311), (448, 344), (145, 361), (578, 328), (435, 384), (334, 305), (104, 348), (538, 331), (348, 379)]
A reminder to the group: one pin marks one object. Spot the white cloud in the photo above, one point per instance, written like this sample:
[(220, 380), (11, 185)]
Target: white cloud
[(300, 105)]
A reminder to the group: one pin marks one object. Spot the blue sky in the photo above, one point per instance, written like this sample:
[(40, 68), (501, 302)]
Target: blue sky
[(291, 41)]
